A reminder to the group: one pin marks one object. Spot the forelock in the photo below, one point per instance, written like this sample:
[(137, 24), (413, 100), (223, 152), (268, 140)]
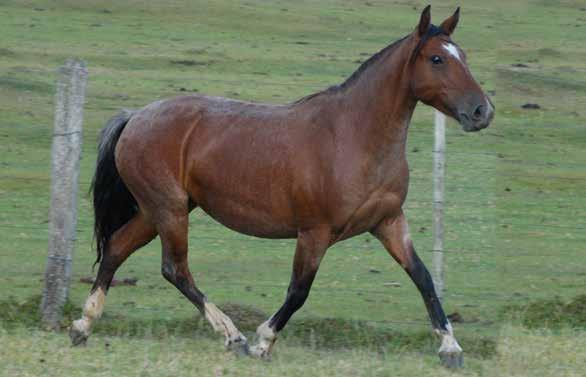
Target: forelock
[(433, 31)]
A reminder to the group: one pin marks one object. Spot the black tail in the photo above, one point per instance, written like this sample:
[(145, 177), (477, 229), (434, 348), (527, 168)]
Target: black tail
[(114, 205)]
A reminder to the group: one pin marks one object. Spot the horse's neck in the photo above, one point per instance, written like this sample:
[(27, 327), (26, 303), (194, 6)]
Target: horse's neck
[(380, 104)]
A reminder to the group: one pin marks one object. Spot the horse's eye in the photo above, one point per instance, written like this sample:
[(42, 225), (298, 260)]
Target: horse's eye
[(436, 59)]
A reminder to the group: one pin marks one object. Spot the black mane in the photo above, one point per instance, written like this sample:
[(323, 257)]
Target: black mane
[(370, 61), (431, 32)]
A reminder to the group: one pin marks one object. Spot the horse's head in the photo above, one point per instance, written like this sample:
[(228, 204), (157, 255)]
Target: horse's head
[(441, 78)]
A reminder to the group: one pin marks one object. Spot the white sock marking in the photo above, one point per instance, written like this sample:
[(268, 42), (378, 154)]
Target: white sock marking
[(220, 321), (449, 342), (264, 331), (92, 310), (266, 340)]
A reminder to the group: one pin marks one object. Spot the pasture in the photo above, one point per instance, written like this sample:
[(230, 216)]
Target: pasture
[(516, 192)]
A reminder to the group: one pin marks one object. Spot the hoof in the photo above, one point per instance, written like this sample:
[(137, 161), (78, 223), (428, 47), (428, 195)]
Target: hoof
[(261, 353), (78, 338), (238, 346), (452, 360)]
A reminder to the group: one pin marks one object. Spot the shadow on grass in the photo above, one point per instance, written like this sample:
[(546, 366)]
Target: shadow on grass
[(315, 333), (551, 313)]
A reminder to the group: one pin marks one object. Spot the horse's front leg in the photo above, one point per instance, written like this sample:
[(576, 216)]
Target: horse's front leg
[(311, 247), (394, 235)]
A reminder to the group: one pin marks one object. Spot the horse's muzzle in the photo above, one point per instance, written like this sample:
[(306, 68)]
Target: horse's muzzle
[(477, 115)]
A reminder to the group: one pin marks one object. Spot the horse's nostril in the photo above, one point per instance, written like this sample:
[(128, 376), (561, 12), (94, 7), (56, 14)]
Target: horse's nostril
[(464, 116), (478, 112)]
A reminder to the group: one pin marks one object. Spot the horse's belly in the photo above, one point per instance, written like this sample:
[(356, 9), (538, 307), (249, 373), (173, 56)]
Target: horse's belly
[(248, 220)]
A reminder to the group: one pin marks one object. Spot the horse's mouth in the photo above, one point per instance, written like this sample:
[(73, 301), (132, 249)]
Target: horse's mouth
[(475, 127), (471, 125)]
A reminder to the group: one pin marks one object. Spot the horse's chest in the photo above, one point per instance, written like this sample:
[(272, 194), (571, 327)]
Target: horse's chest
[(376, 207)]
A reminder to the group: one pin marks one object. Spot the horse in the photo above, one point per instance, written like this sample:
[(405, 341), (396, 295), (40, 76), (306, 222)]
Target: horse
[(322, 169)]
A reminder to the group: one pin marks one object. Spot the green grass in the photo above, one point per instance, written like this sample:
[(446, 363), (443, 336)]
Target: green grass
[(515, 192), (318, 333), (520, 353)]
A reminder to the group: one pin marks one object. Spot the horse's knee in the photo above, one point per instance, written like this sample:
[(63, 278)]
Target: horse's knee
[(168, 272)]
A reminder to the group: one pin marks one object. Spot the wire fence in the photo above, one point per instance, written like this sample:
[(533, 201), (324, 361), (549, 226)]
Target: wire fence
[(500, 169)]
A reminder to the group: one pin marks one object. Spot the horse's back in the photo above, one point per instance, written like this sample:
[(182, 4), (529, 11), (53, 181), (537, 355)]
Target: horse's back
[(248, 165), (165, 130)]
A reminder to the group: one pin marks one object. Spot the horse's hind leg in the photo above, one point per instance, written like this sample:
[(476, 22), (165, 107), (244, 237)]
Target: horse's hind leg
[(130, 237), (394, 235), (173, 232)]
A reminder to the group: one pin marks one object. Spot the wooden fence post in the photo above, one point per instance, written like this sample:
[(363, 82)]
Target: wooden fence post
[(66, 152), (439, 150)]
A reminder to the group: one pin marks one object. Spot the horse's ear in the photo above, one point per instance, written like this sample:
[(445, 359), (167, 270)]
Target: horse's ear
[(424, 21), (451, 22)]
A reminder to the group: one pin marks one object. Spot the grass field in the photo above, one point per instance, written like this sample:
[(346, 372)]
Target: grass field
[(516, 192)]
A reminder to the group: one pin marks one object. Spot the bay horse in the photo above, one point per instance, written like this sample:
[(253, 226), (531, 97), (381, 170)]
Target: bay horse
[(325, 168)]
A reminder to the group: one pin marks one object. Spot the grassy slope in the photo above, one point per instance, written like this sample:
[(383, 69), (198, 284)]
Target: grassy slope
[(505, 245)]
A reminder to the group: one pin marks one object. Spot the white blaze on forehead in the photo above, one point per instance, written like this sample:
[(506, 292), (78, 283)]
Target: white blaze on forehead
[(452, 50)]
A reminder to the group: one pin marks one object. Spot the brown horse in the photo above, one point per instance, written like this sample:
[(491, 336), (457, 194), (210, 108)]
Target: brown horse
[(323, 169)]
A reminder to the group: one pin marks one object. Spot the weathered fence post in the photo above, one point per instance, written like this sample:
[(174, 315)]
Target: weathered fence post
[(439, 150), (66, 152)]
